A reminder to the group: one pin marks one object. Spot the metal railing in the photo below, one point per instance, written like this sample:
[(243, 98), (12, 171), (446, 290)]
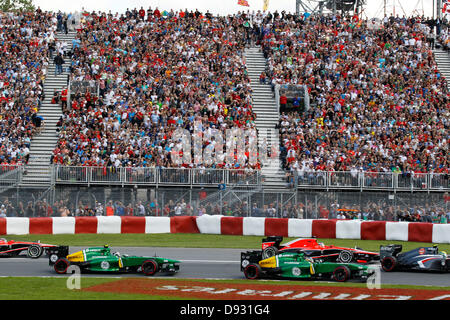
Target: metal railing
[(187, 177), (10, 176), (151, 176), (387, 181)]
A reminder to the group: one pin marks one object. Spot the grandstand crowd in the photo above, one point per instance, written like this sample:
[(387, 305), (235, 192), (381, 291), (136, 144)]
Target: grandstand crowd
[(378, 100), (24, 62), (156, 72)]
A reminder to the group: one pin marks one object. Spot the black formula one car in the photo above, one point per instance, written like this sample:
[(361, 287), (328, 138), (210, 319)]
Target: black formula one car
[(34, 249), (419, 259)]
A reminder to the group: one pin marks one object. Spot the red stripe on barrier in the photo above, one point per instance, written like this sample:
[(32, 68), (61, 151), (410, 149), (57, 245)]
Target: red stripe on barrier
[(133, 224), (41, 226), (86, 224), (276, 227), (420, 232), (183, 225), (232, 226), (324, 229), (2, 225), (373, 230)]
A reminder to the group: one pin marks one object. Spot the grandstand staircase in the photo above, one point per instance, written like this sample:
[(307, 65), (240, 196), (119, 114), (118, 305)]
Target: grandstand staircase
[(443, 62), (267, 118), (38, 170)]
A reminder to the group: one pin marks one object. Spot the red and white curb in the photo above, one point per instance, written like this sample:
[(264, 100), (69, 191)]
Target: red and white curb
[(216, 224)]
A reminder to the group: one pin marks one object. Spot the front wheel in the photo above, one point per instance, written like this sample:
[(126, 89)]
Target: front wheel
[(149, 267), (34, 251)]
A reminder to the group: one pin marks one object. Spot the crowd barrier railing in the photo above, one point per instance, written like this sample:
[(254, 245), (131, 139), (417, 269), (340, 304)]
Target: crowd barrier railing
[(194, 177), (386, 181), (152, 176)]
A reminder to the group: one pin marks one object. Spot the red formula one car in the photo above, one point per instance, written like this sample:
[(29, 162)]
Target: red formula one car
[(13, 248), (315, 250)]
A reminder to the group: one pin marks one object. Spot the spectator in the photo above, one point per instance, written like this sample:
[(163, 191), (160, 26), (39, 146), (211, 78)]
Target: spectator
[(141, 209), (64, 94), (256, 212), (3, 211), (110, 209), (262, 78), (58, 61), (283, 102), (98, 209)]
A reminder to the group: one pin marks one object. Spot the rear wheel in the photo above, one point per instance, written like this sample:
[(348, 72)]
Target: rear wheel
[(345, 256), (252, 271), (269, 252), (341, 274), (61, 266), (388, 264), (149, 267), (34, 251)]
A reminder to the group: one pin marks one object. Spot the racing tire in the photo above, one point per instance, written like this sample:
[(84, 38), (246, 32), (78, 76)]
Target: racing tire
[(388, 264), (34, 251), (345, 256), (341, 274), (252, 271), (61, 266), (149, 267), (269, 252)]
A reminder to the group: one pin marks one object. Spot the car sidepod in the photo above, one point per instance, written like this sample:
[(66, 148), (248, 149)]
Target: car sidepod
[(151, 265)]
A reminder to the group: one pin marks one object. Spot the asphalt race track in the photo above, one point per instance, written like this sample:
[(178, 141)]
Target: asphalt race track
[(196, 263)]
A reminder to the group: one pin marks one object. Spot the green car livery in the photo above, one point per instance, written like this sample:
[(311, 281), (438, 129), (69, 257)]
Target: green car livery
[(101, 259), (296, 266)]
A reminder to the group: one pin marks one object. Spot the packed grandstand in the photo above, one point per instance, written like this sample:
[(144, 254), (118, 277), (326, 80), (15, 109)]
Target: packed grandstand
[(379, 102)]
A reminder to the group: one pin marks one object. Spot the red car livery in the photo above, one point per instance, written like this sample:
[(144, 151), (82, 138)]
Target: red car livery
[(315, 250), (11, 248)]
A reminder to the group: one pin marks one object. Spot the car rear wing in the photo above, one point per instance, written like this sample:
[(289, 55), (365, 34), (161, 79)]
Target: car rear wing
[(57, 252), (390, 250), (271, 241)]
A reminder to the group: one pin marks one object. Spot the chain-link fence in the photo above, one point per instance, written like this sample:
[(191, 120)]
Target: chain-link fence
[(241, 202)]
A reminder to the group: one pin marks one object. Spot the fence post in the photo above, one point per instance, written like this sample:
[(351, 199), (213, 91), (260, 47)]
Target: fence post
[(361, 180)]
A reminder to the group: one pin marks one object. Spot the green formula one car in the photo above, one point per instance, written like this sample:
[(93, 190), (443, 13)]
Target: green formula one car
[(291, 265), (101, 259)]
